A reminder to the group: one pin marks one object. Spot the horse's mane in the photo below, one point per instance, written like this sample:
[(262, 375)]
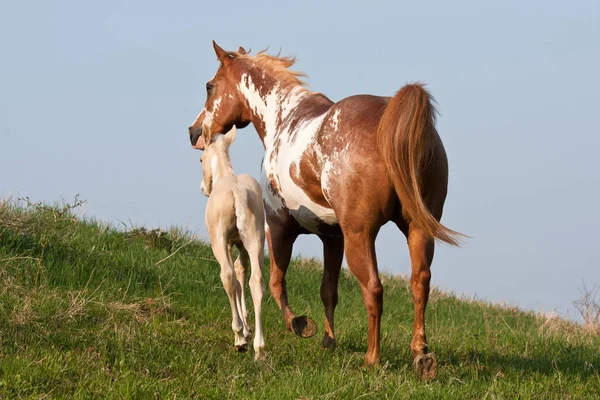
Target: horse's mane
[(278, 66)]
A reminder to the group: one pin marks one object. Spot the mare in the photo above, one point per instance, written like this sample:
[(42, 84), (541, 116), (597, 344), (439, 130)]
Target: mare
[(339, 170)]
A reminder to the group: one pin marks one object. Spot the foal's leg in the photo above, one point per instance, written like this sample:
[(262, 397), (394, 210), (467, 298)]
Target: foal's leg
[(257, 290), (221, 251), (241, 266), (333, 249), (360, 253), (421, 255)]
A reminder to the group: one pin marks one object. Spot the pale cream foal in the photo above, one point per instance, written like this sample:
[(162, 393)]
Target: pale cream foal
[(235, 217)]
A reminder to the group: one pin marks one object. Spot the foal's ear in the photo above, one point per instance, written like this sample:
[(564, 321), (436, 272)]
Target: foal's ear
[(242, 50), (200, 143), (206, 137), (230, 136)]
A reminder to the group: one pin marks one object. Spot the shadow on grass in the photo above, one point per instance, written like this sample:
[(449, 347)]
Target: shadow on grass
[(576, 364), (574, 361)]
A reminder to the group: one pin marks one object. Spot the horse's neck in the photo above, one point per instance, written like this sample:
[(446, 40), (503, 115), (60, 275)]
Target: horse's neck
[(270, 110), (221, 166)]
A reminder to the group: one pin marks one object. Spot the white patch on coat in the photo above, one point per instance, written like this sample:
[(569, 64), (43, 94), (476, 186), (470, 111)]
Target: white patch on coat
[(335, 120), (308, 213), (273, 108), (332, 169), (269, 107), (274, 202), (208, 118), (326, 173)]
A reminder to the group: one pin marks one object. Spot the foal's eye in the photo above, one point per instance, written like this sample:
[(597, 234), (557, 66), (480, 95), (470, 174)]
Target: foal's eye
[(209, 86)]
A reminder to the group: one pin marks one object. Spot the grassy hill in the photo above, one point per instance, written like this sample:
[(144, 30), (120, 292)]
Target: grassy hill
[(88, 311)]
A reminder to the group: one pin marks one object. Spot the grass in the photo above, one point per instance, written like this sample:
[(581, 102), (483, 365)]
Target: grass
[(89, 311)]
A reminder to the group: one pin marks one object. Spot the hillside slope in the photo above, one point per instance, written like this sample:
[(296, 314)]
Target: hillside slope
[(90, 311)]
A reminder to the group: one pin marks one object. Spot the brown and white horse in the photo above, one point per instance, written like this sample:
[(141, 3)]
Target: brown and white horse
[(341, 171)]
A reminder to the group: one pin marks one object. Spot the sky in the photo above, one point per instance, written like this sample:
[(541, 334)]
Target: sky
[(96, 98)]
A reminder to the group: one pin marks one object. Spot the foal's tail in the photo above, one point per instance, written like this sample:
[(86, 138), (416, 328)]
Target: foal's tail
[(240, 196), (406, 138)]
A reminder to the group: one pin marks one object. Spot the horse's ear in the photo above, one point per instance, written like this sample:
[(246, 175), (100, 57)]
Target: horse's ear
[(230, 136), (242, 50), (219, 51), (223, 55)]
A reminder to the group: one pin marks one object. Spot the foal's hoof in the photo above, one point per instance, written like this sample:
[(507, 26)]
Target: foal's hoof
[(425, 366), (260, 354), (241, 348), (304, 326)]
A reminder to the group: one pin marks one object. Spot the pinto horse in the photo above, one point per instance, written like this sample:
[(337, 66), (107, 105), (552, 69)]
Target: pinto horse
[(340, 171)]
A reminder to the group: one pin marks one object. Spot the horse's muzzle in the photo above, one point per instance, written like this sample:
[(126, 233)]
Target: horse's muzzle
[(195, 134)]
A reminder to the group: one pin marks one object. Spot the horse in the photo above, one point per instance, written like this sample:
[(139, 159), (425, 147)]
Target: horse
[(339, 170), (235, 217)]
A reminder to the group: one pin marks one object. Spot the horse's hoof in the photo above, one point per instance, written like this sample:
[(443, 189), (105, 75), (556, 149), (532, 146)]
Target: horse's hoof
[(371, 363), (241, 348), (304, 326), (425, 366), (329, 343)]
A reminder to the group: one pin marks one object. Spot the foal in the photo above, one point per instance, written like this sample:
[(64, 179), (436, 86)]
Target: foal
[(235, 217)]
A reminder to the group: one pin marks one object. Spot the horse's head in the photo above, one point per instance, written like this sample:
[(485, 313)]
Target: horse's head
[(215, 160), (225, 106)]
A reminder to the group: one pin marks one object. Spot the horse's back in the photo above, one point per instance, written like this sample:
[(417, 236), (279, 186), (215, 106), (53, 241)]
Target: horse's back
[(352, 122), (352, 163)]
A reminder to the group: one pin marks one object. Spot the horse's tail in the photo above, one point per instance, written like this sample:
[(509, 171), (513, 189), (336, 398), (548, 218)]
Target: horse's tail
[(406, 139)]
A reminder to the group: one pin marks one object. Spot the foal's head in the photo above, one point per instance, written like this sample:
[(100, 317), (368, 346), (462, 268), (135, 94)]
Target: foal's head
[(225, 106), (215, 160)]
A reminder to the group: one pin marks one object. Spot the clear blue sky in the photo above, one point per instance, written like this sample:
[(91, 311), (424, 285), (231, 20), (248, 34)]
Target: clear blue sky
[(96, 98)]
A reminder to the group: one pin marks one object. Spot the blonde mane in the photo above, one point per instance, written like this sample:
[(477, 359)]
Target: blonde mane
[(278, 66)]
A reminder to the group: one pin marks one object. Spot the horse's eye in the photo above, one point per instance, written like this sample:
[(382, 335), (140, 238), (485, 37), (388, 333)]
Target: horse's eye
[(209, 86)]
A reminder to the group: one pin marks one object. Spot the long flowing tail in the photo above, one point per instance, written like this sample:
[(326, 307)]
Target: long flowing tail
[(406, 138)]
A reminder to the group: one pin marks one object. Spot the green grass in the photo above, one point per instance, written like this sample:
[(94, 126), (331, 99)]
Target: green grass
[(88, 311)]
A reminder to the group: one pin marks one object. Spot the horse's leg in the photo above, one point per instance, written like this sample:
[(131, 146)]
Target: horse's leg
[(281, 236), (280, 244), (241, 266), (359, 246), (421, 251), (222, 253), (333, 250)]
